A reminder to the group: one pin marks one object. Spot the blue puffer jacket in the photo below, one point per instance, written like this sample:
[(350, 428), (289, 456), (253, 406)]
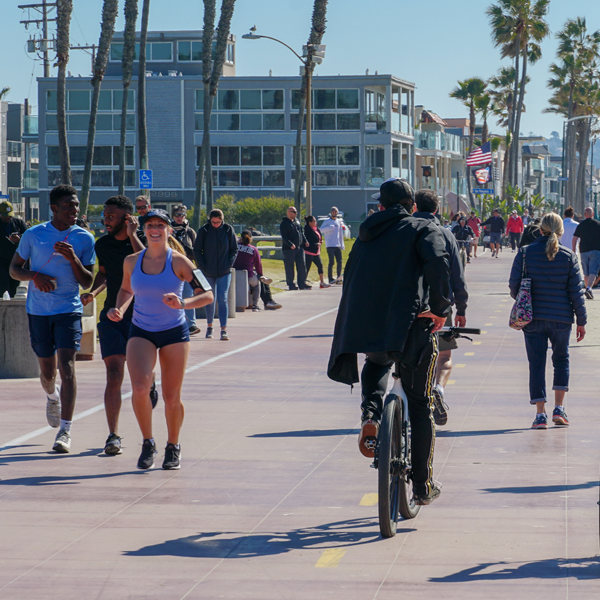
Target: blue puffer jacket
[(556, 286)]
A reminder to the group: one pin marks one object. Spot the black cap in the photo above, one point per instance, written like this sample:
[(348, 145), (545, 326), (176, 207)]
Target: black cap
[(156, 213), (394, 190)]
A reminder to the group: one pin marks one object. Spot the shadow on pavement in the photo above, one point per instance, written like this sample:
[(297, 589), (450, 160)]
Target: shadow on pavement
[(442, 433), (542, 489), (205, 545), (555, 568), (48, 454), (322, 335), (307, 433)]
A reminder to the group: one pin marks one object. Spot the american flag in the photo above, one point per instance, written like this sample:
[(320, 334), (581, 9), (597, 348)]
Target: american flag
[(480, 156)]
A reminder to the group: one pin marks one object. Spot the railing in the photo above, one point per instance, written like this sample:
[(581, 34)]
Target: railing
[(31, 180), (437, 140), (30, 125), (378, 119), (34, 151)]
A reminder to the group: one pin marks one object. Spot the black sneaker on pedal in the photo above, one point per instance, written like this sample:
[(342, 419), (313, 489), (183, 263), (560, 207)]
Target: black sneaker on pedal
[(146, 460), (427, 497), (172, 459), (440, 408), (367, 438)]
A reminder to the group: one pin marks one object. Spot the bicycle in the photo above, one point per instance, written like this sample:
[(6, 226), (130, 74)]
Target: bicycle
[(392, 451), (463, 244)]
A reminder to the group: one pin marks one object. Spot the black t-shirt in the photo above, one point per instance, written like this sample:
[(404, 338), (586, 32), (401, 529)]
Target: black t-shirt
[(111, 254), (8, 248), (588, 231)]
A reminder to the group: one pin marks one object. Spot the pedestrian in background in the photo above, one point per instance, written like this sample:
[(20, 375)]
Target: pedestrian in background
[(293, 244), (514, 228), (333, 231), (557, 295), (588, 235), (569, 225), (215, 250), (313, 251), (248, 259), (11, 230), (496, 224), (474, 222)]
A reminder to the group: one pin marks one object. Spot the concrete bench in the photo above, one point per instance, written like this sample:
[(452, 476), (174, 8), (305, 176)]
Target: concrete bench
[(272, 252), (89, 330)]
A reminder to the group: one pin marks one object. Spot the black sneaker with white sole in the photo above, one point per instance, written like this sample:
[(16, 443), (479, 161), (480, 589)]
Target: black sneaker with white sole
[(440, 408), (112, 447), (146, 460), (428, 496), (172, 459)]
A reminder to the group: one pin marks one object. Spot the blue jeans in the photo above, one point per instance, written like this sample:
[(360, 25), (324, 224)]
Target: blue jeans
[(190, 313), (220, 286), (537, 335)]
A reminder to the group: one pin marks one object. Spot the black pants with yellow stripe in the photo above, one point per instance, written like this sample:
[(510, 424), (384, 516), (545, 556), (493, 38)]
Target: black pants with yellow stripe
[(418, 386)]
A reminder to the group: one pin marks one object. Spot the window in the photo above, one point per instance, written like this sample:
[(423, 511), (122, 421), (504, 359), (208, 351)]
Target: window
[(184, 51), (347, 99), (349, 178), (159, 51), (323, 99), (78, 100), (229, 156), (197, 51), (118, 100), (294, 122), (250, 99), (51, 100), (228, 100), (348, 155), (274, 178), (348, 121), (116, 52), (200, 100), (53, 156), (104, 122), (229, 178), (295, 99), (101, 178), (102, 156), (251, 178), (324, 121), (251, 122), (251, 156), (230, 56), (375, 165), (228, 122), (275, 121), (199, 119), (129, 123), (78, 122), (272, 99), (325, 178), (105, 101), (51, 123), (325, 155), (273, 155), (128, 155)]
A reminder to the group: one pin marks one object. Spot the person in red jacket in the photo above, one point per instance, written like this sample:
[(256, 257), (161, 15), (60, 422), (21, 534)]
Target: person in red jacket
[(514, 228)]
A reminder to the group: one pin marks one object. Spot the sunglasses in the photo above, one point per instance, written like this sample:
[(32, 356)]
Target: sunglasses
[(179, 215)]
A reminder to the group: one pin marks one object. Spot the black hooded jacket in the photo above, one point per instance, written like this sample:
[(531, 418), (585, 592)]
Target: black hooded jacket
[(215, 249), (397, 269)]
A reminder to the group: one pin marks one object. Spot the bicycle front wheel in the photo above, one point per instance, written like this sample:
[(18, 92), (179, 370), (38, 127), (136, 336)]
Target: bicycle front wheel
[(388, 466)]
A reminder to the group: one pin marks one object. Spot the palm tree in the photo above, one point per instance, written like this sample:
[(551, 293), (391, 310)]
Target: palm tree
[(64, 8), (319, 24), (211, 74), (483, 107), (142, 132), (109, 15), (131, 14), (4, 92)]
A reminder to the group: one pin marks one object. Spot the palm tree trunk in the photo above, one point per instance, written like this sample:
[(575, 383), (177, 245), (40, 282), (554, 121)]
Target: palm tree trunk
[(572, 165), (471, 139), (569, 148), (519, 110), (512, 123), (64, 8), (506, 165), (142, 132), (109, 15), (584, 148)]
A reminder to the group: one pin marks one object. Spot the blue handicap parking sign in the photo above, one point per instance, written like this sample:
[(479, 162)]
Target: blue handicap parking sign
[(145, 179)]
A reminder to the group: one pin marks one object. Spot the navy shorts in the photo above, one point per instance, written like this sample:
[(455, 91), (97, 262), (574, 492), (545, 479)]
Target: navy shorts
[(53, 332), (160, 339), (495, 237), (113, 336)]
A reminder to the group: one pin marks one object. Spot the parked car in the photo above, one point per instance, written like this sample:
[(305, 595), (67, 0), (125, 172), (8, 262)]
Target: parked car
[(345, 226)]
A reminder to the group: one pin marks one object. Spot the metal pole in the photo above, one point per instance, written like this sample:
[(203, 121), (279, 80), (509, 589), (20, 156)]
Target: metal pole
[(591, 172), (308, 135), (45, 36)]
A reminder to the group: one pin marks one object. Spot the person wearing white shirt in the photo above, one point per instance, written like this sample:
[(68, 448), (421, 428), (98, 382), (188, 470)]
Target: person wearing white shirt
[(570, 225), (333, 232)]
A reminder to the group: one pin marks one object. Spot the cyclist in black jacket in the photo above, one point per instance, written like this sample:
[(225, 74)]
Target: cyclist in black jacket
[(463, 233)]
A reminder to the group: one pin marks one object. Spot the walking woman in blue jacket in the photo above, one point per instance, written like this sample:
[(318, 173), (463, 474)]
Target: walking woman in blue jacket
[(557, 297)]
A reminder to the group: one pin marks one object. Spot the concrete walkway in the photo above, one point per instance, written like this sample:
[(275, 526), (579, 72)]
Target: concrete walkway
[(274, 500)]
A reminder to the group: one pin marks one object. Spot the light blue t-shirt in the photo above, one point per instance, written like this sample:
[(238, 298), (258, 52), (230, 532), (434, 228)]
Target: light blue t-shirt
[(37, 246)]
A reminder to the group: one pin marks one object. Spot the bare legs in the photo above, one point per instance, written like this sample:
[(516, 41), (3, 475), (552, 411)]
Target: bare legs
[(115, 370), (444, 367), (559, 398), (65, 361)]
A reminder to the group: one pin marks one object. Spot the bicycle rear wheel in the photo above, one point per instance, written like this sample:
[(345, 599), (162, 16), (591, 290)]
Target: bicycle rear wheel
[(408, 508), (388, 452)]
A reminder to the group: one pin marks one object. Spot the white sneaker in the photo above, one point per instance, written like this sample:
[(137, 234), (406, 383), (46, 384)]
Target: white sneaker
[(266, 280), (53, 410), (62, 444)]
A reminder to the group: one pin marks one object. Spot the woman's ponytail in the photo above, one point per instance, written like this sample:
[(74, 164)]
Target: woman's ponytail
[(552, 226)]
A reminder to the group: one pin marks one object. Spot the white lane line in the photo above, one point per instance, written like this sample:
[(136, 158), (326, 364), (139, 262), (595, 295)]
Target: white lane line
[(28, 436)]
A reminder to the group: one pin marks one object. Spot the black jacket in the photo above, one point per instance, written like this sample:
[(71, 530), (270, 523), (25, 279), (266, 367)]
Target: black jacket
[(215, 249), (496, 224), (186, 236), (556, 286), (463, 233), (397, 268), (291, 233), (313, 239), (8, 248), (458, 285), (532, 232)]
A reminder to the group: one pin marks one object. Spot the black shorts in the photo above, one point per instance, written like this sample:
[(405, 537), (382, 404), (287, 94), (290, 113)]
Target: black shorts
[(52, 332), (160, 339), (113, 335)]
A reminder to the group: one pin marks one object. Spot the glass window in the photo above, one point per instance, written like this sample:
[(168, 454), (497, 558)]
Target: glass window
[(348, 155), (251, 122), (375, 165), (272, 99), (77, 155), (129, 123), (348, 121), (324, 122), (104, 122), (347, 99), (295, 99), (228, 100), (101, 178), (325, 178), (78, 122), (128, 155), (325, 155), (77, 178), (53, 156), (130, 180), (51, 123), (349, 178), (79, 100), (273, 155), (303, 153), (251, 178), (160, 51), (199, 118), (228, 122), (116, 51), (274, 178), (197, 51), (214, 155), (184, 51), (229, 156), (251, 156), (274, 121), (230, 53), (53, 178), (323, 99), (104, 101), (229, 178), (250, 100), (102, 156), (118, 100), (294, 122), (51, 100)]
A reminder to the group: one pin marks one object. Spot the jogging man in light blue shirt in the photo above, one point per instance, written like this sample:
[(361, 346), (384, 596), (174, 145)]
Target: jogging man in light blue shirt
[(61, 258)]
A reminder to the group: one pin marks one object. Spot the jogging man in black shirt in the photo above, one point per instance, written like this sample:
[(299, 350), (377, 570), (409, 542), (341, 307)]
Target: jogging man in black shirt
[(497, 226)]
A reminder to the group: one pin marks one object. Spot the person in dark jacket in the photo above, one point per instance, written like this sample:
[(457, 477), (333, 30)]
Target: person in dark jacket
[(532, 232), (11, 230), (557, 295), (463, 233), (314, 237), (293, 243), (427, 206), (497, 227), (399, 265), (215, 251)]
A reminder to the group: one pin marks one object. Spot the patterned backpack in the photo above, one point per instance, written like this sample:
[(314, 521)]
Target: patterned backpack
[(522, 311)]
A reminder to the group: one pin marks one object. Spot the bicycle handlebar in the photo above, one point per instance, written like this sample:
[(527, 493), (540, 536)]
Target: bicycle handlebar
[(457, 332)]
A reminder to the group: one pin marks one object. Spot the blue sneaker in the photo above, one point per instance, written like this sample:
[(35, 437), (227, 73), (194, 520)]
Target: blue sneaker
[(540, 422), (559, 417)]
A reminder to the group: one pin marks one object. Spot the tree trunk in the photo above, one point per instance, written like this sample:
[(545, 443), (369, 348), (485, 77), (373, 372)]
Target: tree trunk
[(518, 111), (123, 138), (64, 8), (569, 148), (511, 125), (572, 165), (109, 15), (471, 139), (142, 133), (584, 148)]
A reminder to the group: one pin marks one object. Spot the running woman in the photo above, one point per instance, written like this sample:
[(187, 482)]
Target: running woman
[(61, 258), (155, 277)]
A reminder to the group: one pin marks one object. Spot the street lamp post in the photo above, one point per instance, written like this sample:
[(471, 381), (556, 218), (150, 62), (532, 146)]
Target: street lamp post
[(312, 55)]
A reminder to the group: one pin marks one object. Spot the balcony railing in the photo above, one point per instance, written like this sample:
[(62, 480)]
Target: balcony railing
[(375, 122), (437, 140), (31, 180), (30, 125)]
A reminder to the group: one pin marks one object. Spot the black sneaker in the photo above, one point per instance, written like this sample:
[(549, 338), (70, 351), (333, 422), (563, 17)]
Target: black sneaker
[(588, 294), (153, 395), (172, 457), (194, 330), (112, 447), (425, 498), (209, 333), (440, 408), (146, 460)]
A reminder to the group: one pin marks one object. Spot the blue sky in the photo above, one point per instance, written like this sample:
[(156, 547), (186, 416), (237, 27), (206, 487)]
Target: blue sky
[(432, 44)]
